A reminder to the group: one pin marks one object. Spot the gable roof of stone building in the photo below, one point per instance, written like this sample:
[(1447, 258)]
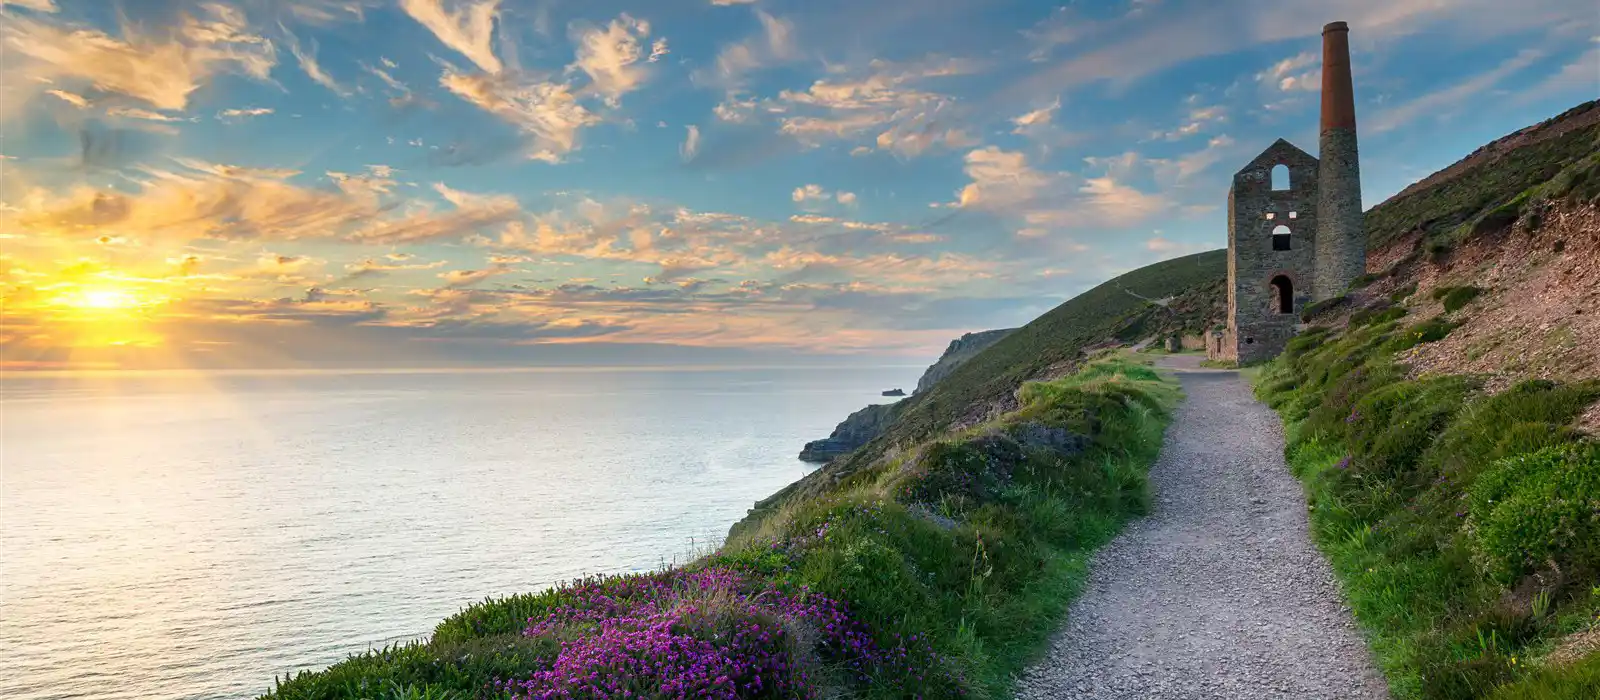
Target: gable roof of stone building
[(1281, 151)]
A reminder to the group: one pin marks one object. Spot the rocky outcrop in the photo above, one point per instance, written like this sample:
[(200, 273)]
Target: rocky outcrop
[(960, 350), (856, 430)]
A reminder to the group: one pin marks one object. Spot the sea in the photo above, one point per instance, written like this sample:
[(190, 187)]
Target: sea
[(195, 535)]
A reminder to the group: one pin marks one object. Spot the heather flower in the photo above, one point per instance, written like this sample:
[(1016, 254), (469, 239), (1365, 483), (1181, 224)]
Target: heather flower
[(710, 633)]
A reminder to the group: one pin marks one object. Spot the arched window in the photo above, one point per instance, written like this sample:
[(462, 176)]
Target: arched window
[(1280, 177), (1283, 294), (1281, 239)]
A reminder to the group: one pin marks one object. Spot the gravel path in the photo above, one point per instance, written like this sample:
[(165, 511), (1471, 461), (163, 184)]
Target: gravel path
[(1219, 593)]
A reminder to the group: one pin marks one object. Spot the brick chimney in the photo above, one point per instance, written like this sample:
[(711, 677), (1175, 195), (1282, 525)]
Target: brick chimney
[(1341, 229)]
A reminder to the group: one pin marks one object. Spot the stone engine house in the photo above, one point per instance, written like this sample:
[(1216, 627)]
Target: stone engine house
[(1295, 227)]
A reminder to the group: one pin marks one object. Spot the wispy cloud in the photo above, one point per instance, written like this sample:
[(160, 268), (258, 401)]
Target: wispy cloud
[(160, 69), (547, 113), (307, 57), (1446, 100), (691, 143), (611, 56), (466, 26), (775, 44)]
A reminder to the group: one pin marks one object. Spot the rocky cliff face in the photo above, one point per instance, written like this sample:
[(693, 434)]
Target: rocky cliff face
[(864, 425), (856, 430), (960, 350)]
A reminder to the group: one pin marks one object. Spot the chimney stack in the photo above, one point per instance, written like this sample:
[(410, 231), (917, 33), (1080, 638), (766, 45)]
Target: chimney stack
[(1341, 228)]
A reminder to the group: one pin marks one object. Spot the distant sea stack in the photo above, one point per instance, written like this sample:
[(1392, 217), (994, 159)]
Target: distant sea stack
[(960, 350), (895, 392)]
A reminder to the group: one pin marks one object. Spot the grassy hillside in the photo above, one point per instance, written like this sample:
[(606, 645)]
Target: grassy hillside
[(1449, 204), (1448, 481), (937, 578), (1465, 526), (1116, 311)]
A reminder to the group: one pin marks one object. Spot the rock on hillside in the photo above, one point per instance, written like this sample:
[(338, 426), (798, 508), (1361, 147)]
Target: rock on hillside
[(856, 430), (960, 350)]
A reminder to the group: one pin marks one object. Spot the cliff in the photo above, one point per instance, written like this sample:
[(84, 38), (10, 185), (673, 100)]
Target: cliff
[(856, 430), (860, 427), (961, 349)]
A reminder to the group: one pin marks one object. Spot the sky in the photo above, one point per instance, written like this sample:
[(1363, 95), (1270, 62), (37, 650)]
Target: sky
[(263, 183)]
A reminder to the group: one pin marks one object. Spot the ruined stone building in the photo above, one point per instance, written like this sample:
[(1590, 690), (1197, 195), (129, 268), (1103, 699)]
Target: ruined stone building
[(1295, 227)]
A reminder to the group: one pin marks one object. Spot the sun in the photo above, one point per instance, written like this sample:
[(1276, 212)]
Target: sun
[(105, 298)]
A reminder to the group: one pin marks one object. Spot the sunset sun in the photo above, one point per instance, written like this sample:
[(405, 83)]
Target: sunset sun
[(105, 298)]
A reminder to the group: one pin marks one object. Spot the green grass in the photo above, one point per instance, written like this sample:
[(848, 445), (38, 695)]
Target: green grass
[(1580, 681), (1460, 524), (976, 544)]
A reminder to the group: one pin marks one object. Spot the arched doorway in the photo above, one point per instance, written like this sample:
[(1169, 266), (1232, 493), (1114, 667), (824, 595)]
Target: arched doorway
[(1283, 294)]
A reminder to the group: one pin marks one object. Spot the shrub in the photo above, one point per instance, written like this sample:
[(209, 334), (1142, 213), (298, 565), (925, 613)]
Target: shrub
[(1456, 298), (1527, 417), (1316, 309), (1538, 508), (1499, 219), (1372, 317), (1394, 425), (1430, 331), (1403, 293)]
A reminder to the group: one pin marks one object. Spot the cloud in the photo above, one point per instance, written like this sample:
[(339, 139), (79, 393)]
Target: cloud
[(308, 63), (73, 99), (774, 45), (1141, 44), (1197, 120), (136, 113), (815, 193), (1005, 185), (1301, 72), (245, 113), (204, 200), (467, 26), (459, 279), (160, 70), (1576, 76), (719, 3), (880, 104), (1000, 179), (547, 113), (35, 5), (691, 143), (1040, 117), (1446, 100), (610, 56)]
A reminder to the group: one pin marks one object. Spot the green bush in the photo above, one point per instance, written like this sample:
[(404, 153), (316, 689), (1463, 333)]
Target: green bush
[(1392, 426), (1539, 509), (1403, 293), (1372, 317), (1456, 298), (1430, 331)]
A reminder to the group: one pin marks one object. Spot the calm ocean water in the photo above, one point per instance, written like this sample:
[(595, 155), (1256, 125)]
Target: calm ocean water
[(191, 536)]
